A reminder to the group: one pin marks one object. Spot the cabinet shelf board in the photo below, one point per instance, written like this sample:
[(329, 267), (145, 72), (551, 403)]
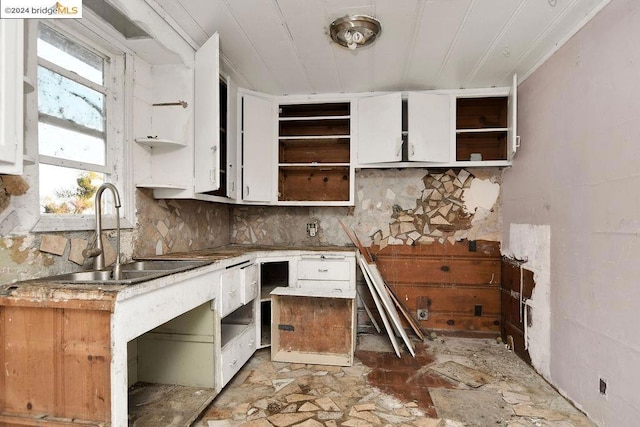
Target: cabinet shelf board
[(481, 130), (320, 109), (284, 138), (159, 142), (292, 119), (328, 166), (160, 186)]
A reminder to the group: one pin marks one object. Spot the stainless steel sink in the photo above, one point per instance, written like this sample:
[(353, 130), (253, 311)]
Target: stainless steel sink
[(132, 272)]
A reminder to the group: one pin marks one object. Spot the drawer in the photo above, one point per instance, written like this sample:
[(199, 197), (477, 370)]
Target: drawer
[(231, 292), (250, 283), (237, 352), (342, 285), (324, 269)]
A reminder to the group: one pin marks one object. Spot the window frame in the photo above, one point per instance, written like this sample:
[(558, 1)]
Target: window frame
[(95, 35)]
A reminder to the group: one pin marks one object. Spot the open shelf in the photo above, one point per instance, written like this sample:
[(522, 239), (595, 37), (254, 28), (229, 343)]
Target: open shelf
[(481, 129), (159, 142)]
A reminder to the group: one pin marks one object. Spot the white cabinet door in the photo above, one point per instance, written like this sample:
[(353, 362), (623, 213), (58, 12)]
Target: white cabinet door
[(11, 96), (512, 134), (380, 129), (430, 127), (258, 148), (207, 116)]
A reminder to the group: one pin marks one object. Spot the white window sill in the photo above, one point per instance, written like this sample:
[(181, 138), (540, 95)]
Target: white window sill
[(77, 223)]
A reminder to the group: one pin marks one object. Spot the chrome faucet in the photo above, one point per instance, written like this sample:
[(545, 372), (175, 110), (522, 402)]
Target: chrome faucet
[(98, 251)]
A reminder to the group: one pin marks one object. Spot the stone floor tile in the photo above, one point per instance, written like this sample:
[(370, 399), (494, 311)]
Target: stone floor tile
[(284, 420)]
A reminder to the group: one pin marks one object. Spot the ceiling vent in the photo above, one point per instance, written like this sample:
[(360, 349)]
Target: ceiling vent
[(355, 31)]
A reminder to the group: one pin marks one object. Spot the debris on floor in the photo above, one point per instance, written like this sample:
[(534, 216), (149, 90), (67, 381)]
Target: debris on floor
[(452, 382)]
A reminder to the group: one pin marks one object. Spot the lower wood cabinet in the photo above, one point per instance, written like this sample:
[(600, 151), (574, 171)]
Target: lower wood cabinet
[(313, 326), (56, 363)]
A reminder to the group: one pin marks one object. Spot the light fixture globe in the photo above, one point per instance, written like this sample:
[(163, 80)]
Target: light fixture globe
[(355, 31)]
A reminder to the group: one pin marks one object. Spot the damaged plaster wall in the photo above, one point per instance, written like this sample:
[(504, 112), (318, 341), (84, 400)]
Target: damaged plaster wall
[(577, 173), (532, 244), (392, 206)]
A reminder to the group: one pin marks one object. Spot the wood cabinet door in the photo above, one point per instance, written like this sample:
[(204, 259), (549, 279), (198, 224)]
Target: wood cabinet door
[(430, 127), (380, 129), (207, 116)]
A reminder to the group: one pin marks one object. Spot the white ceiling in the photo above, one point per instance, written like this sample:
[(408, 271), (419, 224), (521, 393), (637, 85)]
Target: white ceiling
[(282, 46)]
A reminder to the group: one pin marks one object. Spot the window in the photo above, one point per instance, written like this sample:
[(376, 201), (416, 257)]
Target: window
[(71, 124), (80, 137)]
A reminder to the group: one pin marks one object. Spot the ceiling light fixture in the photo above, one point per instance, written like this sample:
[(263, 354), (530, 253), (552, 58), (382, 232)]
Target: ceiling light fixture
[(355, 31)]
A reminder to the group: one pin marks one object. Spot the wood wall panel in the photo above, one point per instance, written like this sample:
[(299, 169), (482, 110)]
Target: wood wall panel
[(458, 285), (46, 353), (459, 299)]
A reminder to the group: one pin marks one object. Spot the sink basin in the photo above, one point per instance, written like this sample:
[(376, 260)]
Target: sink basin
[(132, 272)]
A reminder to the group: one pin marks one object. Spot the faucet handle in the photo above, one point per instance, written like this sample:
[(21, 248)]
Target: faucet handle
[(91, 252)]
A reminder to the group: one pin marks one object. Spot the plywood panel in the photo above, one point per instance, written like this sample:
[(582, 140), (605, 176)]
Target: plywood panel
[(313, 325), (57, 363), (428, 270), (460, 299)]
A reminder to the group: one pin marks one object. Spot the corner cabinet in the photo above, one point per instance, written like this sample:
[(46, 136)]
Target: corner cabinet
[(473, 127)]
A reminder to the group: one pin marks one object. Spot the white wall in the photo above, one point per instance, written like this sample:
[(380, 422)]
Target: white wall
[(578, 173)]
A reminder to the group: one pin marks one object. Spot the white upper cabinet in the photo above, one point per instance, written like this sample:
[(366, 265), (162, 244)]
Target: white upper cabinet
[(207, 117), (11, 96), (429, 127), (380, 128), (258, 148)]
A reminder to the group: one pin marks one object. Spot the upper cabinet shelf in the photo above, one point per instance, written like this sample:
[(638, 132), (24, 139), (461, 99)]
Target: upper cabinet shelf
[(314, 153), (28, 85), (159, 142)]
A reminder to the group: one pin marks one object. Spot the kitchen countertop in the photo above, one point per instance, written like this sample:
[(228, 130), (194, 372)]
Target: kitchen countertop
[(37, 292)]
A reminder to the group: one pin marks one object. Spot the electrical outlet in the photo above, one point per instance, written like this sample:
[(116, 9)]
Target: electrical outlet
[(603, 387), (312, 229)]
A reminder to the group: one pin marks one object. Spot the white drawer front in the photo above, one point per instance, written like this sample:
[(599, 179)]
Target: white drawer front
[(310, 269), (250, 288), (231, 292), (342, 285), (236, 353)]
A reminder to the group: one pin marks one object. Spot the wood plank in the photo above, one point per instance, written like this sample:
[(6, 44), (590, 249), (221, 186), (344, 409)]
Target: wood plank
[(405, 313), (379, 306), (379, 286), (12, 420), (456, 322), (449, 299), (369, 314), (428, 270), (461, 249)]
